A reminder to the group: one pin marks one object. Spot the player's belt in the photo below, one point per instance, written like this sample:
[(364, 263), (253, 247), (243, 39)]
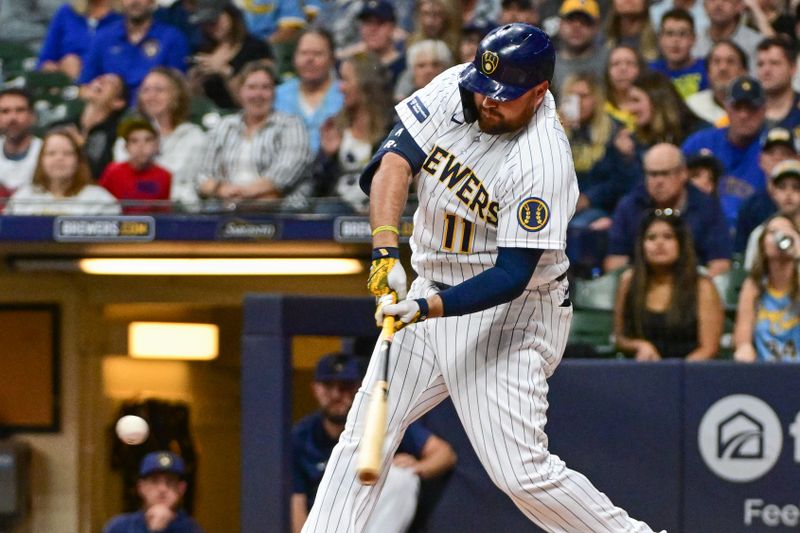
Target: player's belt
[(444, 286)]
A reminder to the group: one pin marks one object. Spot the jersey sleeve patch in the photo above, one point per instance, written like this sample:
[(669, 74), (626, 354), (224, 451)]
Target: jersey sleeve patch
[(533, 214), (418, 109)]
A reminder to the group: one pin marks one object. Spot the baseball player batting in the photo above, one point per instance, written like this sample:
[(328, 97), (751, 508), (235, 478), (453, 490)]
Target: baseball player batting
[(487, 318)]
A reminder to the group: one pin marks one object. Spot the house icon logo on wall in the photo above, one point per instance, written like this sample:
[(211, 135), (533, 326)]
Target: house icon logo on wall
[(740, 438)]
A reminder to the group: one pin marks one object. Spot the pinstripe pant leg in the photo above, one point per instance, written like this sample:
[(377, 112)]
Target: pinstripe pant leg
[(343, 505), (495, 364)]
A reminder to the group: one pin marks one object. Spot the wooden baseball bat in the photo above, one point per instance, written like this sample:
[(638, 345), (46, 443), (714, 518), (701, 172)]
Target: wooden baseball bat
[(370, 451)]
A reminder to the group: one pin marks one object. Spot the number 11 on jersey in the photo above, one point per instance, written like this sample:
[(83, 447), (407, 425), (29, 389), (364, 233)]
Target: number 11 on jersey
[(467, 233)]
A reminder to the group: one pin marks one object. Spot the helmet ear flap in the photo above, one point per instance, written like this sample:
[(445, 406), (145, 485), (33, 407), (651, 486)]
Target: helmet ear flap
[(468, 105)]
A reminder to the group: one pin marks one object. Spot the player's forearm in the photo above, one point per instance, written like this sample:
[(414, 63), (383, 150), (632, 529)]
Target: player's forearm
[(388, 196), (501, 283)]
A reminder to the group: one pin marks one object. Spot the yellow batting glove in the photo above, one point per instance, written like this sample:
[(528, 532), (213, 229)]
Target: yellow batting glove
[(386, 274)]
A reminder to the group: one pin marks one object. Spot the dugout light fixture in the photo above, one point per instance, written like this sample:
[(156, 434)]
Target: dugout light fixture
[(173, 340), (316, 266)]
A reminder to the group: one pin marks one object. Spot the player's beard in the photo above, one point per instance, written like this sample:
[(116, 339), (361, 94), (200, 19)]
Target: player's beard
[(495, 124)]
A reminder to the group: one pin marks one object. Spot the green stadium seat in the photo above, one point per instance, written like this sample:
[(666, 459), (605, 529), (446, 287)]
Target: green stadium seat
[(204, 113), (729, 284), (53, 113), (53, 87), (593, 317), (16, 59)]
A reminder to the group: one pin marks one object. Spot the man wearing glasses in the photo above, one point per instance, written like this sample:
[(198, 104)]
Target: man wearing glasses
[(666, 188)]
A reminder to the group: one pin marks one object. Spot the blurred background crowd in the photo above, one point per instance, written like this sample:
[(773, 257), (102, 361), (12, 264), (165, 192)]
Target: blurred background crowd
[(683, 116)]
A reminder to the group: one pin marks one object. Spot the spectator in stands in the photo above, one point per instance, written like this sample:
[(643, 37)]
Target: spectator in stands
[(660, 116), (737, 146), (724, 63), (436, 19), (105, 100), (705, 171), (768, 314), (164, 99), (341, 20), (62, 183), (775, 15), (161, 487), (471, 35), (276, 21), (783, 197), (138, 178), (134, 46), (377, 25), (71, 32), (474, 10), (20, 147), (779, 144), (694, 7), (675, 40), (591, 132), (179, 14), (664, 308), (349, 139), (420, 455), (623, 67), (25, 22), (628, 23), (776, 65), (426, 60), (666, 188), (659, 112), (259, 153), (725, 23), (518, 11), (761, 15), (578, 47), (588, 128), (225, 48), (314, 95)]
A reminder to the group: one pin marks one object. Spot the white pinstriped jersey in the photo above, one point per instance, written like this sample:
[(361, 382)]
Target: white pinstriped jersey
[(479, 191)]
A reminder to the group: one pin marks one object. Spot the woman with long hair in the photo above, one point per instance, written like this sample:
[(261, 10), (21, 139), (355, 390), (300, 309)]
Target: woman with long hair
[(62, 182), (438, 20), (70, 34), (660, 115), (588, 127), (164, 99), (623, 67), (226, 48), (768, 314), (664, 308), (628, 23), (349, 139)]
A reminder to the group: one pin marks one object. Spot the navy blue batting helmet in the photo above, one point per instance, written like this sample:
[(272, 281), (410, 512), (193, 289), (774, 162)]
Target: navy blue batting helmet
[(510, 61)]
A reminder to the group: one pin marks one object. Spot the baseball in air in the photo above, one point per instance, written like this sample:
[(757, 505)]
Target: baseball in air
[(132, 429)]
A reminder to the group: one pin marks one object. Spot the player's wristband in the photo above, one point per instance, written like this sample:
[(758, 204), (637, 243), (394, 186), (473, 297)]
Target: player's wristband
[(385, 228), (423, 309), (383, 252)]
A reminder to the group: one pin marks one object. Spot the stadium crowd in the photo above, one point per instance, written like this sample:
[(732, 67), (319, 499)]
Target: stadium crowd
[(675, 109)]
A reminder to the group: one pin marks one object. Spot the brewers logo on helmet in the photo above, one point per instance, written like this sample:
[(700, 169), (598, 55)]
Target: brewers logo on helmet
[(489, 62), (510, 61)]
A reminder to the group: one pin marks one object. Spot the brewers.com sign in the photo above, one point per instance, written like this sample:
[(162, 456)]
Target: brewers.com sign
[(104, 229)]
